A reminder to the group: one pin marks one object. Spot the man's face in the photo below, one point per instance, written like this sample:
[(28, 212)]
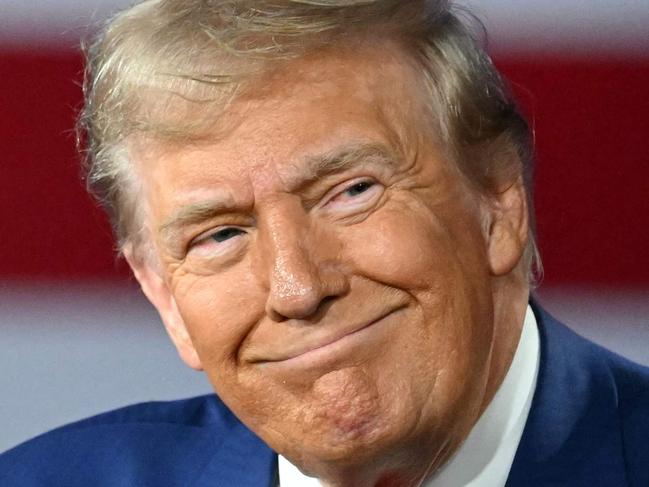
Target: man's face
[(326, 265)]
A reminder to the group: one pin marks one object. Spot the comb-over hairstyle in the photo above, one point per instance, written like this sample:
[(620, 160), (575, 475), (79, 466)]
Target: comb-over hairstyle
[(167, 69)]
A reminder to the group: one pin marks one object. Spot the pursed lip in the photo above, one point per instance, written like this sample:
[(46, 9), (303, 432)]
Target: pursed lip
[(317, 343)]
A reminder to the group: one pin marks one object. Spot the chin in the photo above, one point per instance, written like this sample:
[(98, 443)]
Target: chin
[(360, 436), (378, 450)]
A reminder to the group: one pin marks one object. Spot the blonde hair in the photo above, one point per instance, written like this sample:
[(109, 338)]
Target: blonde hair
[(199, 54)]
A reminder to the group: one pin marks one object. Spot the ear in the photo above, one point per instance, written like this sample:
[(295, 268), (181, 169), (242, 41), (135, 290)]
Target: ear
[(157, 291), (509, 228)]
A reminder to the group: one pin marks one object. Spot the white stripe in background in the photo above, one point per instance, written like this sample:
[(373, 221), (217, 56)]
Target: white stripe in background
[(602, 26)]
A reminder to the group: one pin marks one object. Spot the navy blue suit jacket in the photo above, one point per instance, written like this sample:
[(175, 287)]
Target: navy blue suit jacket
[(588, 426)]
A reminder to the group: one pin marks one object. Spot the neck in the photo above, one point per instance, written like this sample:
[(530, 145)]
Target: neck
[(510, 298), (410, 474)]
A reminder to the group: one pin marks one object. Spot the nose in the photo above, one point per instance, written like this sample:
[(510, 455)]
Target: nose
[(294, 257)]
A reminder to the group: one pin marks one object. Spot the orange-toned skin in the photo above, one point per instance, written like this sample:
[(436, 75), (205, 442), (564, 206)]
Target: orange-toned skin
[(360, 322)]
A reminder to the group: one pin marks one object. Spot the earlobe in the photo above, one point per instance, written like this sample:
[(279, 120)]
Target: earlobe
[(157, 292), (508, 232)]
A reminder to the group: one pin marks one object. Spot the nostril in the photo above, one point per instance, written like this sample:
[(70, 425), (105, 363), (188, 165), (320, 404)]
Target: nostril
[(326, 301), (300, 306), (307, 304)]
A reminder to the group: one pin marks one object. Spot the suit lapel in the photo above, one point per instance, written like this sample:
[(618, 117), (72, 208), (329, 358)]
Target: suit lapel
[(573, 432)]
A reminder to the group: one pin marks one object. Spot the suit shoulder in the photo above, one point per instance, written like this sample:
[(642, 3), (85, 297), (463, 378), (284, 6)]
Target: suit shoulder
[(156, 441), (630, 379), (192, 412), (605, 381), (632, 387)]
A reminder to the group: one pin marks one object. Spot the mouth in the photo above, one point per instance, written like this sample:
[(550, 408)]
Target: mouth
[(329, 347)]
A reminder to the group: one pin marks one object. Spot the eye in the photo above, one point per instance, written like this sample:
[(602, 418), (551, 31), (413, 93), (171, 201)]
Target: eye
[(359, 188), (225, 234), (216, 242), (355, 194)]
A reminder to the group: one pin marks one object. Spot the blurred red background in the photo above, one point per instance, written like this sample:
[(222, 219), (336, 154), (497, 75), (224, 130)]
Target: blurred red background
[(591, 120)]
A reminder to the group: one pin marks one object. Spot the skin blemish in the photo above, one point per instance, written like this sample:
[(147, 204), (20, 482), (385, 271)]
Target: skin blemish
[(347, 398)]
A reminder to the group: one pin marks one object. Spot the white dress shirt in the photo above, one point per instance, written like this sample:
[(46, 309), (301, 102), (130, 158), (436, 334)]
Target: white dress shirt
[(487, 454)]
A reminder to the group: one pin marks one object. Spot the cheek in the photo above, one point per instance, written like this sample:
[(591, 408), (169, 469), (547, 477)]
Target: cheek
[(410, 247), (439, 260), (218, 312)]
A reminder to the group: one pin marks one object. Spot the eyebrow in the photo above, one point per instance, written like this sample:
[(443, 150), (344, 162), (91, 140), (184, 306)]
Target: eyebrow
[(343, 158), (317, 167), (193, 214)]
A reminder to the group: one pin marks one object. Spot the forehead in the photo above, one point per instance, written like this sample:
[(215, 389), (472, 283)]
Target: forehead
[(306, 107)]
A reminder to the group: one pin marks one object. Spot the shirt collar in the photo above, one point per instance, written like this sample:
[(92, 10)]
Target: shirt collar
[(486, 456)]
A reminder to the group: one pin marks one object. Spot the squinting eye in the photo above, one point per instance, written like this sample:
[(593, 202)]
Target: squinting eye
[(359, 188), (354, 195), (218, 242), (226, 234)]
